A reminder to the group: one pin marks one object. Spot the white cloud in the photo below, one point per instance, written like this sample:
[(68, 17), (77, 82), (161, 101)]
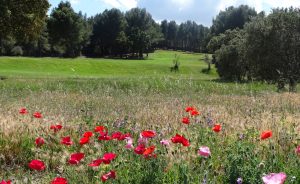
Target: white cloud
[(259, 5), (121, 4), (73, 2)]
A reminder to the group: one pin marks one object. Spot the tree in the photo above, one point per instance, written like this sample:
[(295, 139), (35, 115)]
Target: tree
[(230, 62), (66, 31), (109, 36), (273, 47), (140, 31), (22, 19), (232, 18)]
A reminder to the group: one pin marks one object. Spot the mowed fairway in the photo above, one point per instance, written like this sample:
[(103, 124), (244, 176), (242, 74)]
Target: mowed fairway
[(156, 65), (82, 93)]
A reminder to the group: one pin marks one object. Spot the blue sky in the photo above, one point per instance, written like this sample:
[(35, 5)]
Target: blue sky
[(201, 11)]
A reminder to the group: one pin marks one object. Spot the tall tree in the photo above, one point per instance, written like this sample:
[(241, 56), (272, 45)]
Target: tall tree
[(231, 18), (109, 36), (66, 31), (140, 26)]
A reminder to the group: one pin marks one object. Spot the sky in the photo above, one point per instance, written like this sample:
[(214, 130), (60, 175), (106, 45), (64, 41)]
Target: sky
[(200, 11)]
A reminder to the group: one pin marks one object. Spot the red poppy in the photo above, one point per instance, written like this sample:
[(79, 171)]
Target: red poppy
[(96, 163), (59, 180), (148, 134), (37, 165), (37, 115), (75, 158), (111, 174), (39, 141), (108, 157), (186, 120), (23, 111), (189, 109), (88, 134), (66, 141), (266, 134), (139, 149), (217, 128), (84, 140), (5, 182), (104, 137), (148, 151), (180, 139), (56, 128), (124, 136), (100, 129), (195, 113), (116, 135)]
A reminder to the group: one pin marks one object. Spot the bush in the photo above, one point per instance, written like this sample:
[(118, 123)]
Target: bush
[(17, 51)]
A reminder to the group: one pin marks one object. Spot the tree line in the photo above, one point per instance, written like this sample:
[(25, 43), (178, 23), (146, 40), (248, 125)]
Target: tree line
[(25, 29), (262, 48)]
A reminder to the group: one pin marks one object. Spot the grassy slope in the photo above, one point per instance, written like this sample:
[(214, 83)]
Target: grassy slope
[(157, 64)]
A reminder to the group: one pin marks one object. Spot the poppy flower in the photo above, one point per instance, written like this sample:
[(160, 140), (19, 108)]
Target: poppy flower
[(180, 139), (75, 158), (274, 178), (23, 111), (39, 141), (266, 134), (129, 144), (59, 180), (185, 120), (37, 115), (148, 134), (165, 142), (37, 165), (66, 141), (148, 151), (108, 157), (88, 134), (5, 182), (217, 128), (195, 113), (84, 140), (204, 151), (189, 109), (96, 163), (119, 136), (111, 174), (139, 149), (104, 137), (100, 129), (56, 128), (124, 136)]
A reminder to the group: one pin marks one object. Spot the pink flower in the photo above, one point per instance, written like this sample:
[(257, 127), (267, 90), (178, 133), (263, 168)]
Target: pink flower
[(111, 174), (274, 178), (204, 151), (298, 150), (129, 144), (5, 182), (165, 142)]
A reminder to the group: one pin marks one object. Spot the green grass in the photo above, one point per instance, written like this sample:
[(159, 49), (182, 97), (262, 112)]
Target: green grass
[(82, 93), (156, 65)]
